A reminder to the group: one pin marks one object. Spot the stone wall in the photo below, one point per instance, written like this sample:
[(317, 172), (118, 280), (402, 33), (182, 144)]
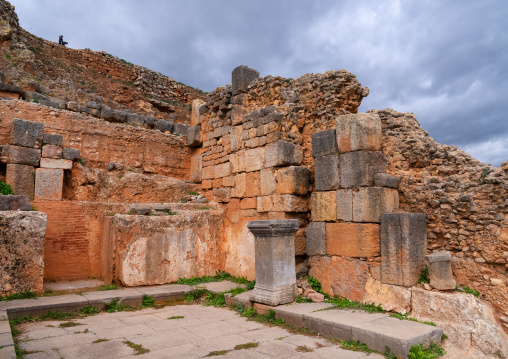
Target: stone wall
[(21, 251)]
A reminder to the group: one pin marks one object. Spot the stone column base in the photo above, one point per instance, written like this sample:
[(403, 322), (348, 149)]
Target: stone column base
[(273, 296)]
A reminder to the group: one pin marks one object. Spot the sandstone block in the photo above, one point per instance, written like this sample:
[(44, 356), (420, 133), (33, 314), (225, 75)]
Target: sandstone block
[(51, 151), (194, 136), (111, 115), (282, 203), (22, 179), (316, 239), (196, 118), (222, 194), (26, 133), (385, 180), (324, 206), (135, 119), (222, 170), (149, 121), (369, 203), (196, 168), (360, 131), (52, 163), (392, 298), (73, 106), (440, 270), (70, 154), (357, 169), (282, 153), (240, 185), (228, 181), (180, 129), (163, 125), (49, 183), (327, 173), (51, 139), (235, 137), (324, 143), (242, 77), (345, 205), (293, 180), (252, 184), (403, 247), (300, 242), (14, 203), (207, 172), (237, 161), (248, 203), (268, 182), (254, 159), (20, 155), (352, 239)]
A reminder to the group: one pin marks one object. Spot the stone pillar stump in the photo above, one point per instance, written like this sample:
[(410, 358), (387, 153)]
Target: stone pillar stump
[(440, 270), (275, 261)]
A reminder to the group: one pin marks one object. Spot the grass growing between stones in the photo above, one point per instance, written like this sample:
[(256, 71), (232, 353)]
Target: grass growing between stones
[(138, 348), (69, 324), (218, 277), (433, 351), (356, 346), (177, 317), (23, 295), (249, 345), (304, 349), (424, 276), (468, 291), (343, 303), (147, 301), (108, 287), (407, 317)]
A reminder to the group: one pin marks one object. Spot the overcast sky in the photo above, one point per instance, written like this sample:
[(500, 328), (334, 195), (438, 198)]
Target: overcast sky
[(445, 61)]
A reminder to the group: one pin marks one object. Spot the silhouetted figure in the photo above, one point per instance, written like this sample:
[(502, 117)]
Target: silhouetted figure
[(61, 40)]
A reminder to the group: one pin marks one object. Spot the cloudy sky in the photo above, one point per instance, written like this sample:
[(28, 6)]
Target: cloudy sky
[(446, 61)]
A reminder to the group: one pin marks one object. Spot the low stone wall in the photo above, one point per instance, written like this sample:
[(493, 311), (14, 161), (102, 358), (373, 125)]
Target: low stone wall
[(21, 251)]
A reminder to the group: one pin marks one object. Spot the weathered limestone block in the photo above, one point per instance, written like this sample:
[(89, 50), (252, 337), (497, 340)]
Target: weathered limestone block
[(252, 184), (282, 203), (149, 121), (237, 161), (324, 143), (196, 167), (274, 261), (14, 203), (180, 129), (357, 169), (51, 139), (52, 151), (52, 163), (26, 133), (344, 277), (241, 77), (282, 153), (440, 270), (240, 185), (20, 155), (293, 180), (327, 173), (111, 115), (352, 239), (392, 298), (222, 170), (196, 118), (71, 154), (194, 136), (222, 195), (22, 251), (268, 182), (134, 119), (254, 159), (248, 203), (163, 125), (300, 242), (345, 205), (403, 247), (316, 239), (360, 131), (49, 183), (235, 137), (324, 206), (21, 178), (385, 180), (369, 203), (73, 106)]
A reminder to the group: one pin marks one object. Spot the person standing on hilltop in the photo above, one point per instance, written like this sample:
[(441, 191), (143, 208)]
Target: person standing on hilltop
[(61, 40)]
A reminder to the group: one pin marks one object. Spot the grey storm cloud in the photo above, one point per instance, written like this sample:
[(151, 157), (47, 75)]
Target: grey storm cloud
[(445, 61)]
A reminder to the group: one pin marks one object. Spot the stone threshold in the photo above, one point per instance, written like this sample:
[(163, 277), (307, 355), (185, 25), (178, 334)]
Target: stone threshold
[(377, 330)]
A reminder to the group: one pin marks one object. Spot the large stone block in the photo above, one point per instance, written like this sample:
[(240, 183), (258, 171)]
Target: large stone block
[(180, 129), (51, 139), (268, 182), (385, 180), (132, 119), (26, 133), (316, 239), (14, 203), (403, 247), (22, 179), (282, 203), (345, 205), (196, 118), (237, 161), (240, 185), (324, 143), (360, 131), (324, 206), (222, 194), (222, 170), (440, 270), (52, 163), (241, 77), (327, 173), (112, 115), (235, 137), (282, 153), (369, 203), (20, 155), (51, 151), (392, 298), (194, 136), (254, 159), (49, 183), (274, 261), (357, 169), (252, 184), (196, 167), (293, 180), (352, 239), (163, 125), (71, 154)]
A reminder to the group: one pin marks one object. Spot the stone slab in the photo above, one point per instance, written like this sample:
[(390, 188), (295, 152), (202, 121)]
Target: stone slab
[(20, 155), (163, 125), (194, 136), (71, 154), (243, 298), (51, 151), (315, 243), (385, 180), (324, 143), (219, 287), (49, 183), (180, 129), (26, 133), (440, 270), (52, 139), (352, 239), (14, 203), (241, 77), (129, 296), (21, 178), (358, 169), (282, 153), (327, 175), (369, 203), (282, 203), (56, 163), (295, 314), (360, 131), (323, 206), (166, 292), (293, 180), (41, 305)]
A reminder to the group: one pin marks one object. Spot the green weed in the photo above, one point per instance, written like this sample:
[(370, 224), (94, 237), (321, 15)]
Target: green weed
[(247, 346), (27, 294), (249, 313), (356, 346), (5, 189), (343, 303), (204, 208), (138, 348), (114, 306), (434, 351), (217, 353), (108, 286), (8, 57), (89, 310), (469, 291), (100, 341), (69, 324), (424, 276), (407, 317), (301, 299), (147, 301), (176, 317), (193, 193), (304, 349)]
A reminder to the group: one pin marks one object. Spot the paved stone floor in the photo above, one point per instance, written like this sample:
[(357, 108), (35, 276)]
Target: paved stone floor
[(202, 330)]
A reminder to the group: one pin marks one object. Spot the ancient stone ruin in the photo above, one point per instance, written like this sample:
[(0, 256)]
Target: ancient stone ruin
[(143, 181)]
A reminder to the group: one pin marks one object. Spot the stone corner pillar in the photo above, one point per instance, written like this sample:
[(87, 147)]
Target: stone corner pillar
[(275, 261), (440, 270)]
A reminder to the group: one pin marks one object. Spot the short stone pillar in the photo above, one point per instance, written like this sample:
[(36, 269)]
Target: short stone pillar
[(440, 270), (403, 247), (242, 77), (275, 261)]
